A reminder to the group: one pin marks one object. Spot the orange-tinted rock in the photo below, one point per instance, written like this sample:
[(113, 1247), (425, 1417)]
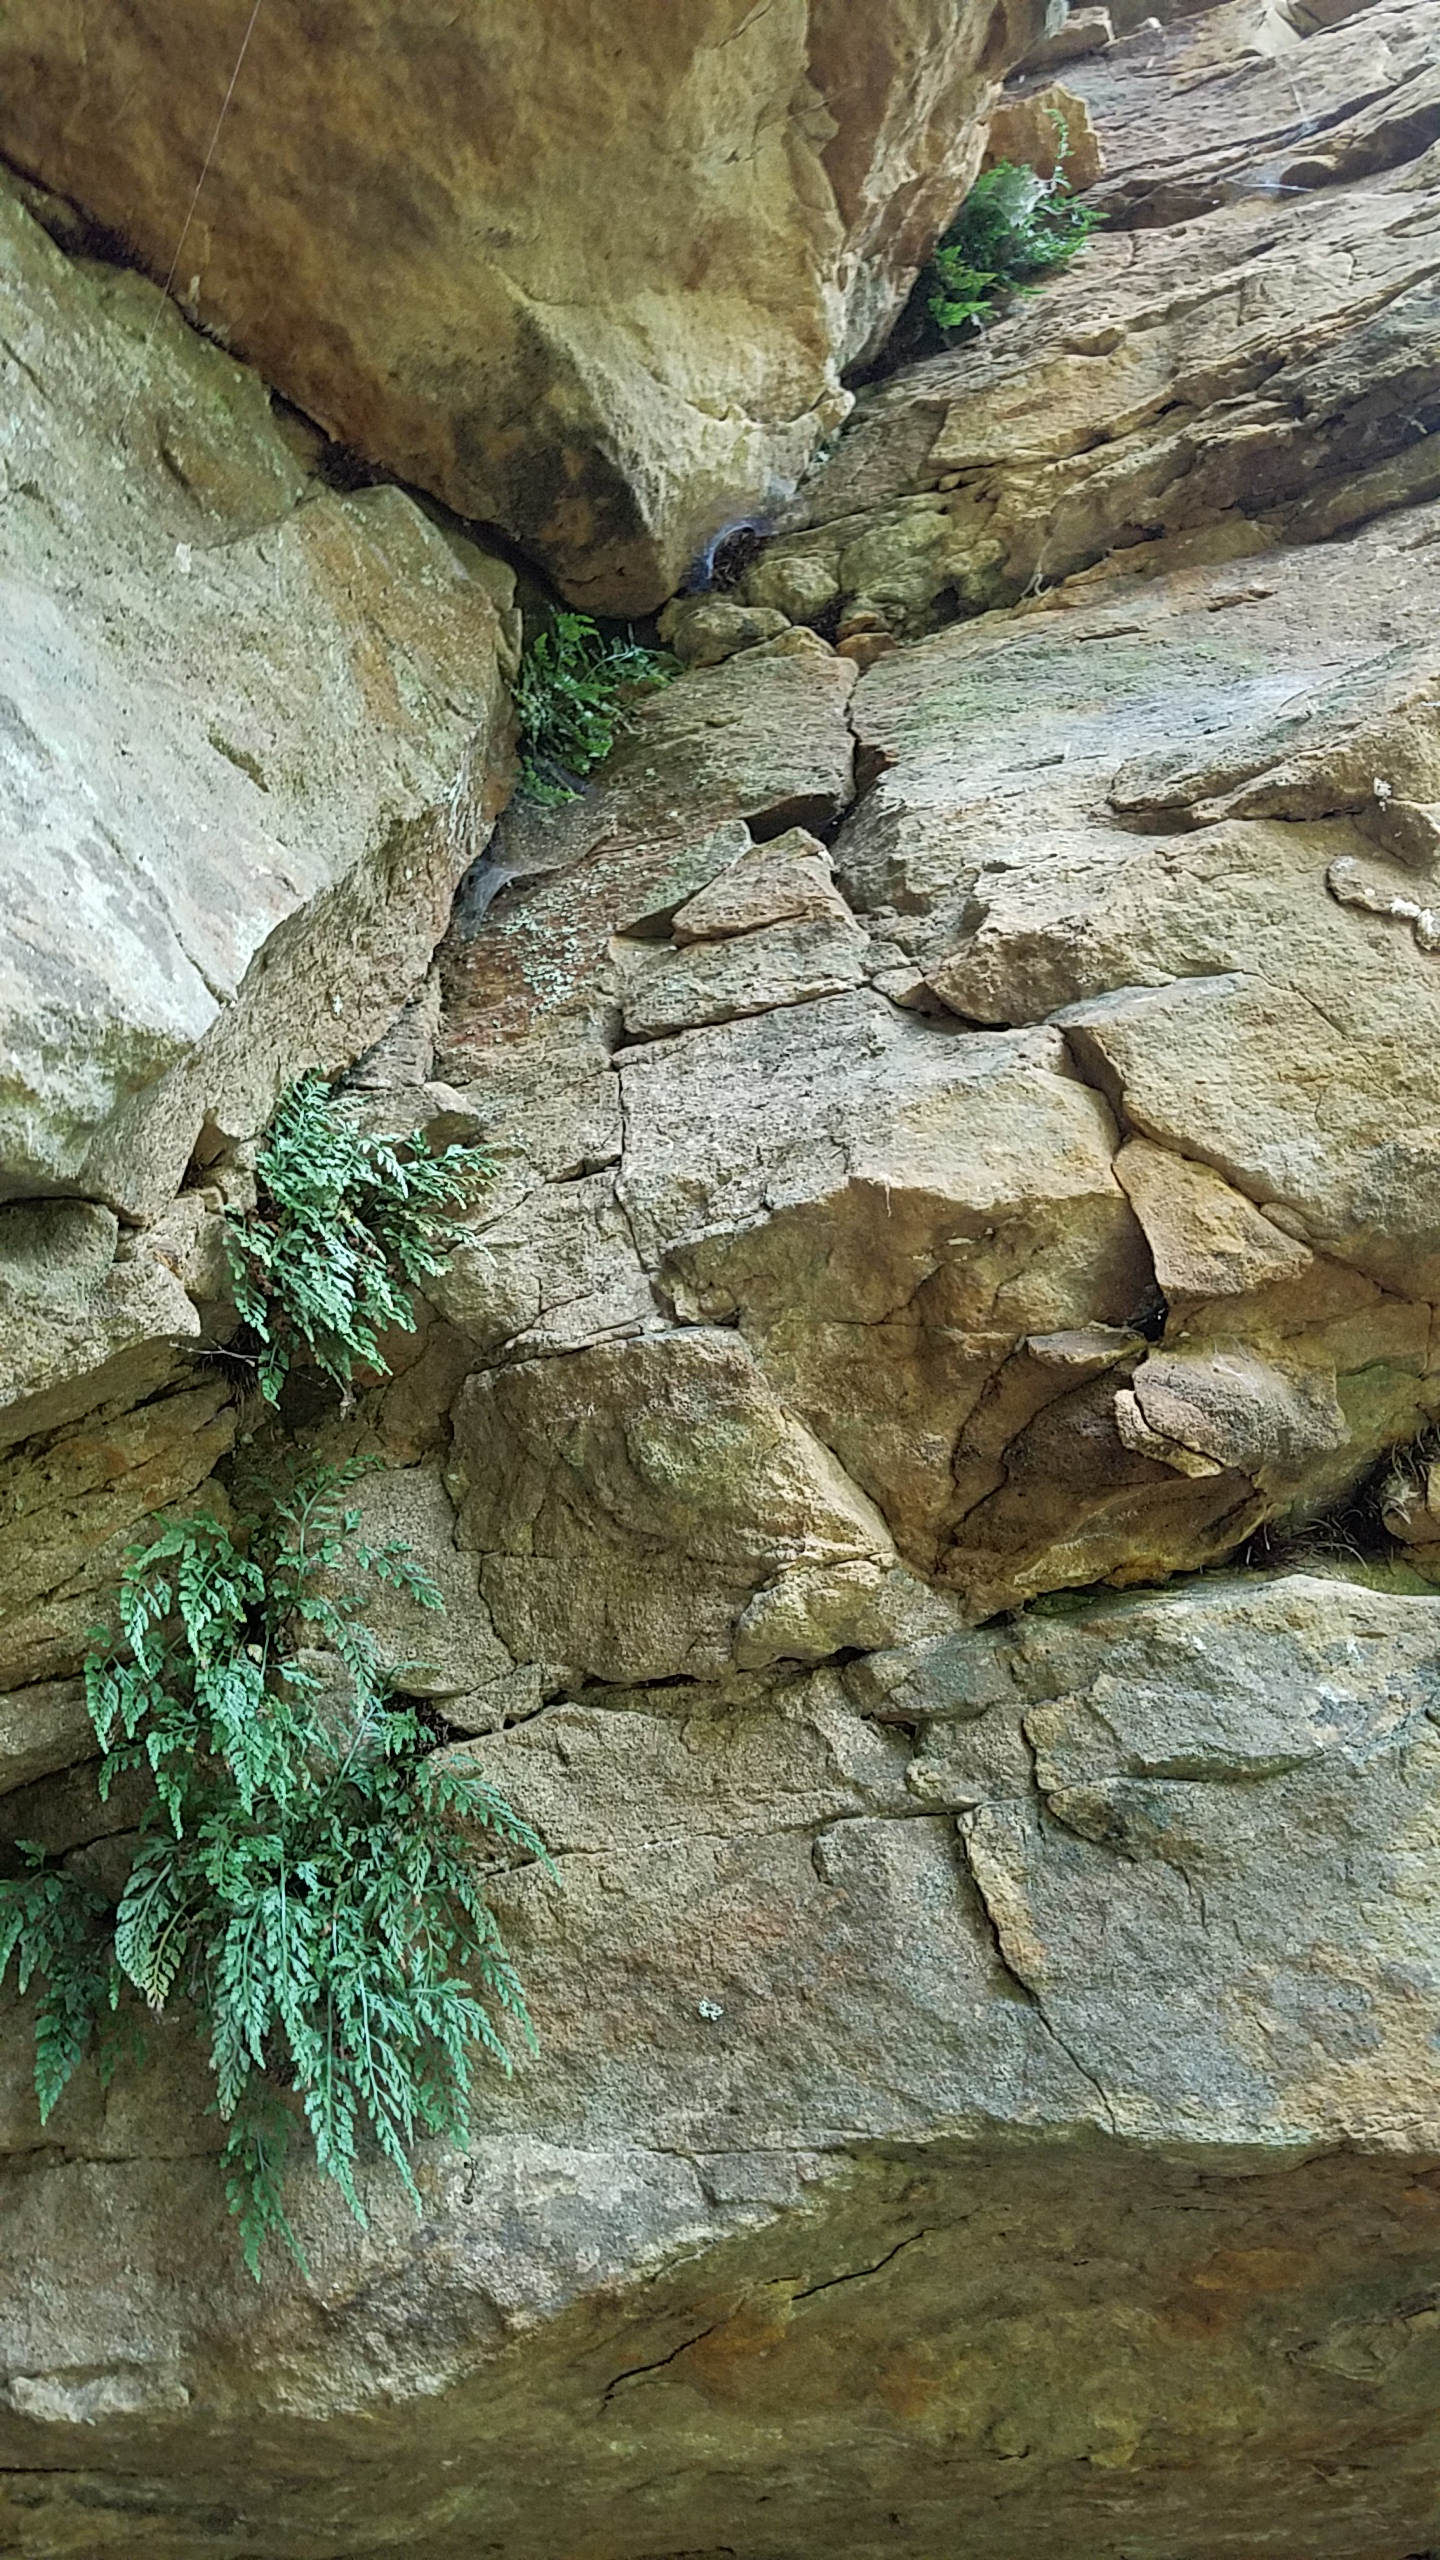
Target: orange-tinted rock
[(589, 272)]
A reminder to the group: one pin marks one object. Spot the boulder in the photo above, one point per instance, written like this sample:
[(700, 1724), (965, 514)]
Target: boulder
[(246, 728), (704, 630), (580, 274)]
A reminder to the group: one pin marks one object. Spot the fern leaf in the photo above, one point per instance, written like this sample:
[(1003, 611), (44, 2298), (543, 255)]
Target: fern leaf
[(313, 1890)]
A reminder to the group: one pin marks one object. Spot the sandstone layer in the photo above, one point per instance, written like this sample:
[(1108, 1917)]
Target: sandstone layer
[(242, 711), (992, 2107), (587, 273), (1243, 360), (914, 1441)]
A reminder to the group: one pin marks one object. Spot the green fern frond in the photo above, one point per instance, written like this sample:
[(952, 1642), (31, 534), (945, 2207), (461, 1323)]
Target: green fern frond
[(305, 1875), (1013, 228), (344, 1225), (571, 702), (52, 1928)]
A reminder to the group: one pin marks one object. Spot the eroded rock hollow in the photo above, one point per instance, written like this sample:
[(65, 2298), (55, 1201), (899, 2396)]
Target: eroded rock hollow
[(929, 1439)]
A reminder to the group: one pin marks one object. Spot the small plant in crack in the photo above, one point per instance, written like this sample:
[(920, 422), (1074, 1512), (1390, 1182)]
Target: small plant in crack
[(344, 1225), (572, 699), (1383, 1532), (304, 1875), (1013, 228)]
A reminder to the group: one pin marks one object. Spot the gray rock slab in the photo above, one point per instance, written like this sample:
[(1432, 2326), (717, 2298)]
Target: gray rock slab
[(1006, 2161), (237, 709), (42, 1728)]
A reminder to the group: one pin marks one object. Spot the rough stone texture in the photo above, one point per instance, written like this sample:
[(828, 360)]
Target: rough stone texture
[(1063, 2163), (1359, 95), (761, 743), (702, 631), (629, 1501), (1047, 1351), (586, 273), (935, 1241), (1046, 130), (929, 1202), (1266, 373), (747, 973), (42, 1728), (73, 1498), (787, 881), (430, 1653), (986, 2098), (72, 1301), (1081, 31), (238, 711)]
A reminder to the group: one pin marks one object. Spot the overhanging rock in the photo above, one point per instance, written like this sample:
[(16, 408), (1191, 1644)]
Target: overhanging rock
[(588, 273)]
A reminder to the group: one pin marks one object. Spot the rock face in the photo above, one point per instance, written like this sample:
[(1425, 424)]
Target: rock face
[(911, 1440), (253, 733), (585, 273), (1243, 359), (1008, 2063), (238, 709)]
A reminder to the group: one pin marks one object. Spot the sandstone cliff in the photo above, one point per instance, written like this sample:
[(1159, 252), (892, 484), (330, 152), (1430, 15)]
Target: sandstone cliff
[(928, 1438), (589, 273)]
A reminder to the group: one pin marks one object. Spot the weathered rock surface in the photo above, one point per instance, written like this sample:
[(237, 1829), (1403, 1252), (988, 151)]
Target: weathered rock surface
[(1034, 2113), (1264, 374), (756, 746), (966, 1140), (75, 1496), (42, 1728), (245, 764), (1092, 1292), (584, 273), (246, 724), (1360, 95), (1047, 130)]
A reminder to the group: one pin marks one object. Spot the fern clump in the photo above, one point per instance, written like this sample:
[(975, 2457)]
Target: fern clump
[(343, 1225), (570, 702), (305, 1873), (1013, 228)]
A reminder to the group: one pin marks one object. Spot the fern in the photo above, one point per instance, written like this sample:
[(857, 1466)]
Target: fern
[(344, 1224), (1013, 227), (569, 701), (305, 1870), (53, 1926)]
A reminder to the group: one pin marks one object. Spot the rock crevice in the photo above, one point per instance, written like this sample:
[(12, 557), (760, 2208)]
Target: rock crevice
[(926, 1438)]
